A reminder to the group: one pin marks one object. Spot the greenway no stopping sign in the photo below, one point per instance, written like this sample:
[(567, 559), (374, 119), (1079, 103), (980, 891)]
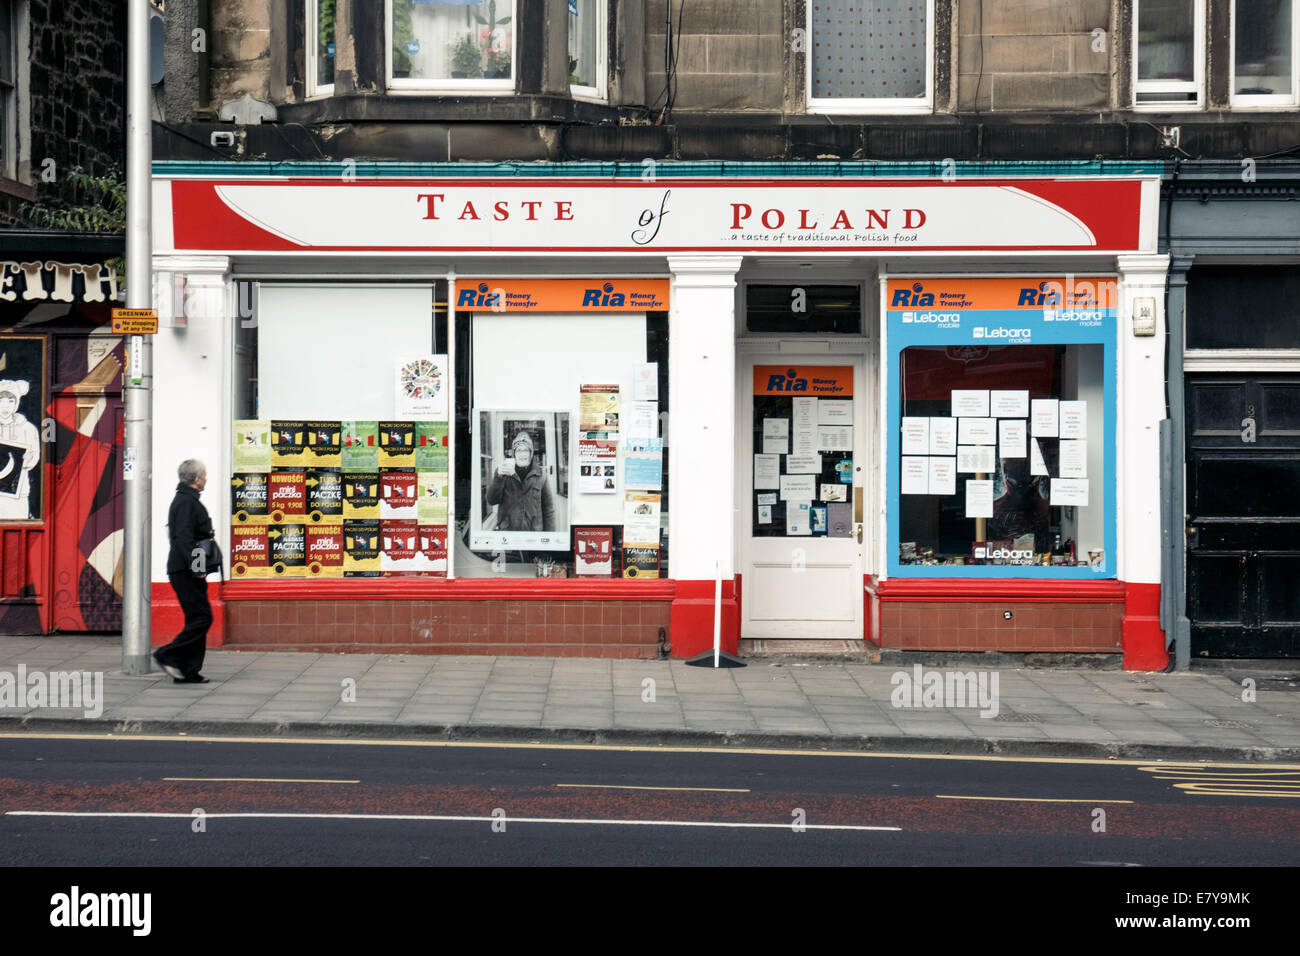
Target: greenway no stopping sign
[(135, 321)]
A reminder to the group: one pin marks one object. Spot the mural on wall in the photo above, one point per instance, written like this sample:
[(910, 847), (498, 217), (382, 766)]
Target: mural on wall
[(22, 398)]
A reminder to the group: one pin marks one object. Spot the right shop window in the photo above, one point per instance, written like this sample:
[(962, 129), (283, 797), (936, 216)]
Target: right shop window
[(1001, 456)]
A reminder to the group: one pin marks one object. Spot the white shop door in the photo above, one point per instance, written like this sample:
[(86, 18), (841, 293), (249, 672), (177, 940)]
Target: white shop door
[(802, 433)]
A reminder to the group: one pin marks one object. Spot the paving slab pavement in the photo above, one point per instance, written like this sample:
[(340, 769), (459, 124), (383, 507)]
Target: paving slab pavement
[(827, 704)]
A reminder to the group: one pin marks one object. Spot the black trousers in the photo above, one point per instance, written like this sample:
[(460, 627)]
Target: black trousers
[(187, 650)]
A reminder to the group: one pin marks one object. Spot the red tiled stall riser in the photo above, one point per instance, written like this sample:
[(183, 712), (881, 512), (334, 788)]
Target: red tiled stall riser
[(542, 628), (984, 626)]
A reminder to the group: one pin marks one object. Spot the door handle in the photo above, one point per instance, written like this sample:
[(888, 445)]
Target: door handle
[(859, 532)]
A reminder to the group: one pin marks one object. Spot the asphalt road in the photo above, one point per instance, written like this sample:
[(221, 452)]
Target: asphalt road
[(132, 801)]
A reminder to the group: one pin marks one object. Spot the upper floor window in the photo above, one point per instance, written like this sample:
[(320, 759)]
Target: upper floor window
[(8, 91), (1265, 38), (870, 55), (458, 44), (320, 47), (1168, 53), (587, 28)]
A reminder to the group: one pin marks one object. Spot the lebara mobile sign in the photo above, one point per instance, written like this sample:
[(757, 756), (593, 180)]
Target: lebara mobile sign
[(681, 215), (561, 295)]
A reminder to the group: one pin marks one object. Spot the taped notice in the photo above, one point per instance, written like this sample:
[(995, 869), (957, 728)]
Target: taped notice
[(128, 462)]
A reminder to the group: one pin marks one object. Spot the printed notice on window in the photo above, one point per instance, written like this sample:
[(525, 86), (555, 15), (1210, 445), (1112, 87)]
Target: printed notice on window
[(1012, 438), (1009, 404), (776, 436), (1074, 458), (979, 498), (1074, 419), (977, 431), (1070, 492), (805, 426), (767, 471), (803, 465), (1037, 466), (798, 517), (834, 412), (798, 487), (975, 458), (943, 436), (916, 436), (943, 476), (916, 476), (970, 403), (1043, 415), (835, 438)]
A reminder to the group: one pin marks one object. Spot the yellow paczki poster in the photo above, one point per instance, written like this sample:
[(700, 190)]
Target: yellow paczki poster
[(288, 444), (397, 445), (288, 549)]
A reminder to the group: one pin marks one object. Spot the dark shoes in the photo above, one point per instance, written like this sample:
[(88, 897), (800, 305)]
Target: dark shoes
[(192, 679), (170, 668)]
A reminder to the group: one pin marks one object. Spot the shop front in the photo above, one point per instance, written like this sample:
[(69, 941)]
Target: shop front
[(550, 414)]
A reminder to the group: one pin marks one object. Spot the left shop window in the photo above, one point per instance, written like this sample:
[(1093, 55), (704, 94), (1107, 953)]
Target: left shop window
[(341, 451), (451, 43)]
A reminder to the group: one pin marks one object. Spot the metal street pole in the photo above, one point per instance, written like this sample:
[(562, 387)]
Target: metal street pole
[(137, 464)]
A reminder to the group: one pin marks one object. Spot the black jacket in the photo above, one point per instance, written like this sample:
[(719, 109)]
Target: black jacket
[(187, 523)]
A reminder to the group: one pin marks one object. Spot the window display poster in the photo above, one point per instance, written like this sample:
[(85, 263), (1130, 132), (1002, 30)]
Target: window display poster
[(1070, 492), (645, 382), (399, 543), (323, 441), (522, 481), (288, 444), (431, 509), (250, 554), (943, 436), (767, 471), (970, 403), (835, 438), (360, 494), (22, 426), (252, 446), (798, 517), (776, 436), (916, 476), (641, 420), (839, 519), (764, 514), (288, 544), (805, 426), (1012, 438), (640, 562), (798, 488), (976, 458), (977, 431), (593, 552), (396, 444), (818, 519), (360, 446), (1044, 416), (325, 551), (1074, 419), (398, 494), (422, 383), (833, 411), (979, 498), (643, 464), (288, 499), (598, 408), (1074, 458), (942, 479), (597, 464), (431, 446), (249, 499), (844, 469), (432, 557), (1009, 404), (830, 492), (641, 520), (916, 436), (324, 496), (361, 548)]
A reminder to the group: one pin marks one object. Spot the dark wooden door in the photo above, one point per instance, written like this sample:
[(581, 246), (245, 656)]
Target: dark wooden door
[(1243, 515)]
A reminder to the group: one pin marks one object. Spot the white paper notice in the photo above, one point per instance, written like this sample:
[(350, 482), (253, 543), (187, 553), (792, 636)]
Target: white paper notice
[(803, 465), (764, 514), (835, 438), (916, 436), (798, 517), (767, 499), (979, 499), (641, 419), (943, 476), (645, 382), (1012, 438), (1013, 404), (834, 412), (767, 471), (798, 488), (970, 403), (776, 436), (1074, 419), (1044, 417), (1070, 492), (977, 431), (805, 426), (916, 476), (975, 458), (1074, 458), (943, 436), (1036, 464), (832, 492)]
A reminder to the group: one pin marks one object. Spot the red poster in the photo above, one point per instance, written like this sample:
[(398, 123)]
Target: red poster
[(399, 547), (325, 551), (593, 552), (288, 496), (398, 493), (432, 558), (250, 553)]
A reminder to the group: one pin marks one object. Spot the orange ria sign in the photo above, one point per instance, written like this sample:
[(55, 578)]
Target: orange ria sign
[(561, 295), (796, 380)]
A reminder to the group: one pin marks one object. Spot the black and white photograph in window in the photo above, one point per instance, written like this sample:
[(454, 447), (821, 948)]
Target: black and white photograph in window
[(521, 487)]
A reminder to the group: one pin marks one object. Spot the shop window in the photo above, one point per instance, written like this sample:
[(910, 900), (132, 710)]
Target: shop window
[(560, 459), (451, 44), (803, 308), (1265, 38), (1168, 52), (320, 47), (870, 54), (1243, 308), (1000, 457), (587, 41), (8, 91)]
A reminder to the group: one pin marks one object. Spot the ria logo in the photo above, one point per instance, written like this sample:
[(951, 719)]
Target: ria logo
[(480, 297), (608, 298), (916, 297)]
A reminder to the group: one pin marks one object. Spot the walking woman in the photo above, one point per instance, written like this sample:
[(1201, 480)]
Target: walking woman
[(187, 524)]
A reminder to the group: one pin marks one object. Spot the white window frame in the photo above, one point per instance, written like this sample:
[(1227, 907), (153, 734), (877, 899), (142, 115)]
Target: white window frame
[(599, 92), (1265, 100), (833, 104), (1197, 85), (313, 59), (470, 87)]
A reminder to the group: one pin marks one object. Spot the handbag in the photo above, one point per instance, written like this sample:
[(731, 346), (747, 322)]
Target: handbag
[(211, 557)]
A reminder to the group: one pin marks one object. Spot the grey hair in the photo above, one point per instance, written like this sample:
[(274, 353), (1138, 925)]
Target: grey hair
[(191, 470)]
